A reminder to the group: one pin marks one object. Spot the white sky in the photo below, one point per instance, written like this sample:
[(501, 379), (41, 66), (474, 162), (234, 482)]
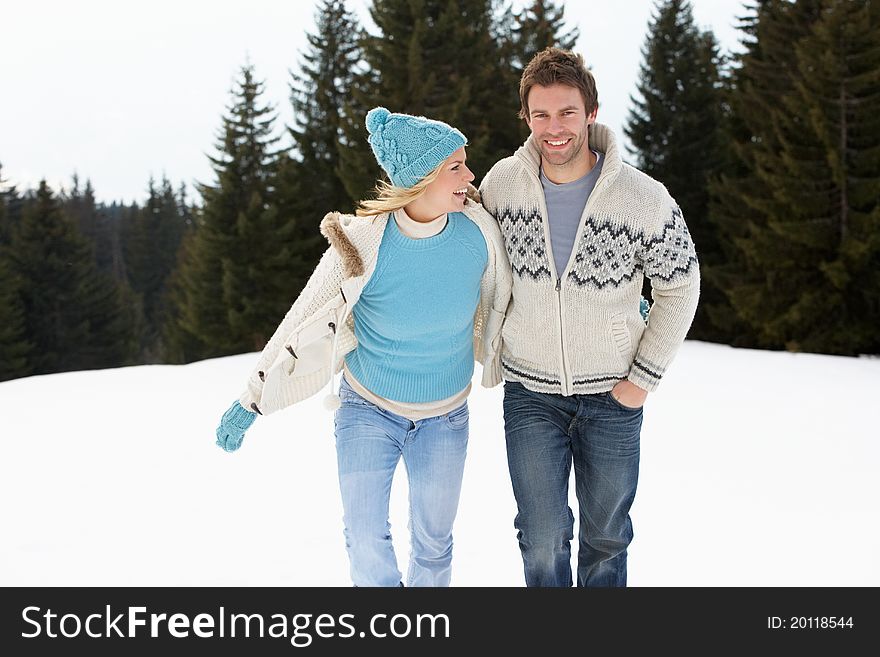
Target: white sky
[(757, 469), (120, 90)]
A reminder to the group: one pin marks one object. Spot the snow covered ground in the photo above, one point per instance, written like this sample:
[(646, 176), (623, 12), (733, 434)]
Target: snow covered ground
[(757, 469)]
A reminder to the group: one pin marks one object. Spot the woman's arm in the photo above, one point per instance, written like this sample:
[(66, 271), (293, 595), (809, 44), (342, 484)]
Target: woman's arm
[(324, 284)]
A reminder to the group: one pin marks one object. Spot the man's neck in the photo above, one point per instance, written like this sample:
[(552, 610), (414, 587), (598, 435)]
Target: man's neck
[(570, 171)]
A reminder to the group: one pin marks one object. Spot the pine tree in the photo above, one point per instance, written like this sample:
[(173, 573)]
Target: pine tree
[(178, 345), (185, 210), (94, 224), (806, 245), (80, 207), (438, 59), (725, 209), (15, 349), (318, 93), (310, 185), (13, 203), (675, 128), (151, 255), (8, 198), (234, 286), (74, 314), (14, 346), (539, 25), (117, 221), (358, 169)]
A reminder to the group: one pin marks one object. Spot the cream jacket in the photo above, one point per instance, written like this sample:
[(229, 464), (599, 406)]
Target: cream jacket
[(309, 345)]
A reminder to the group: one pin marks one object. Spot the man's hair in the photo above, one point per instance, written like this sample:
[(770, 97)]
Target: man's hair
[(557, 66)]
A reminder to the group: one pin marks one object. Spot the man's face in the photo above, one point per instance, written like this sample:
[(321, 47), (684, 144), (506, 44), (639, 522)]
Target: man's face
[(559, 123)]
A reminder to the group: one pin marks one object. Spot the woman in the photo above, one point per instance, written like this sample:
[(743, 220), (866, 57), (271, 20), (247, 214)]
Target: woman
[(410, 292)]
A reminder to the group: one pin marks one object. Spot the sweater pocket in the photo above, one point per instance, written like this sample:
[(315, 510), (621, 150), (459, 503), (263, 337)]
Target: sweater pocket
[(621, 337), (307, 350), (313, 346)]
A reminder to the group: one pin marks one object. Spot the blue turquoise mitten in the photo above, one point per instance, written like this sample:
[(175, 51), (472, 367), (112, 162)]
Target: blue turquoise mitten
[(233, 424)]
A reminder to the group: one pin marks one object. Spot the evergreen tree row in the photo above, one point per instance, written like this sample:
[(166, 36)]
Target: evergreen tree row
[(773, 155), (775, 161), (82, 284), (798, 213)]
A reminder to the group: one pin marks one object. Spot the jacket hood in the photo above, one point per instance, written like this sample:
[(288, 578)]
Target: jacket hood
[(331, 229)]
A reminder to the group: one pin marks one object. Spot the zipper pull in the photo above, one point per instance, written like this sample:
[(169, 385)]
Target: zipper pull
[(558, 284)]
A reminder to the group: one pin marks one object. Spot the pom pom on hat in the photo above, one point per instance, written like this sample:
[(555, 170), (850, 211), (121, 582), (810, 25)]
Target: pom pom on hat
[(376, 118)]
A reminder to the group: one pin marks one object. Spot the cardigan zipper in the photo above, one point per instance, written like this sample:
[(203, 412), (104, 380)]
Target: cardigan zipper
[(564, 377), (557, 284), (567, 386)]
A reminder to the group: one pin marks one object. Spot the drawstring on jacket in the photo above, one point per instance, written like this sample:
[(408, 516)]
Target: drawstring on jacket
[(332, 401)]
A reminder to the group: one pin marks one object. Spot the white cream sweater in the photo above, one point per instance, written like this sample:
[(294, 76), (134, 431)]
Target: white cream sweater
[(579, 331)]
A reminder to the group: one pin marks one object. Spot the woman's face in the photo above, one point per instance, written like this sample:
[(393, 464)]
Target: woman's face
[(448, 191)]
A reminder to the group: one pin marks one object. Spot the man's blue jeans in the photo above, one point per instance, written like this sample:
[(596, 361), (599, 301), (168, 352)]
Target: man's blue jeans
[(369, 443), (545, 434)]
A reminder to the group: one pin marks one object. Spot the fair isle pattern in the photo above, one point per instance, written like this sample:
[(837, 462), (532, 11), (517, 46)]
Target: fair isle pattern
[(672, 253), (607, 254), (523, 231), (610, 254)]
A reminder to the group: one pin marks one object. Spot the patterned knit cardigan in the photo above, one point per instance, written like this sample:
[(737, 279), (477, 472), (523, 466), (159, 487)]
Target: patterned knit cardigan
[(308, 346), (579, 331)]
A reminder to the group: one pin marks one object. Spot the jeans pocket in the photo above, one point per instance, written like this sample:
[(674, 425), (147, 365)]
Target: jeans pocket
[(349, 397), (629, 409), (458, 418), (354, 400)]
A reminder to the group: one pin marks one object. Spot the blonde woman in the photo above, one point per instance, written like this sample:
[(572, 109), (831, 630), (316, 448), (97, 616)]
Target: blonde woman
[(411, 291)]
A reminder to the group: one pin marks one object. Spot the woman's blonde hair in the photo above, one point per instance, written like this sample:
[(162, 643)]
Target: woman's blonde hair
[(390, 198)]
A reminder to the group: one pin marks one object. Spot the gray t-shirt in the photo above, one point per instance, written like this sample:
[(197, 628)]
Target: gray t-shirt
[(565, 205)]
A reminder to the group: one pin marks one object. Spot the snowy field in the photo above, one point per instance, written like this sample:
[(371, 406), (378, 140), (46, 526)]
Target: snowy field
[(757, 469)]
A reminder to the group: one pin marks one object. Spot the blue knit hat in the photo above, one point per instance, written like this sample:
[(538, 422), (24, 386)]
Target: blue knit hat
[(410, 147)]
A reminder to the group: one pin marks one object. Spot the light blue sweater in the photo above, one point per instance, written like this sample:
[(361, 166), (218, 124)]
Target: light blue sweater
[(414, 320)]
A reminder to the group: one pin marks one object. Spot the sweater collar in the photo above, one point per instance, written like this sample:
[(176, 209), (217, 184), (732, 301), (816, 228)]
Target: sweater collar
[(348, 233), (602, 139), (413, 229)]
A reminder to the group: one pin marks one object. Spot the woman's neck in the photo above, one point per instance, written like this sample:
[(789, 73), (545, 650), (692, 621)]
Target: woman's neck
[(417, 212)]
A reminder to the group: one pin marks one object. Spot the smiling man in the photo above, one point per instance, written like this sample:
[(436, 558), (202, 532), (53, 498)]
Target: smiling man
[(582, 230)]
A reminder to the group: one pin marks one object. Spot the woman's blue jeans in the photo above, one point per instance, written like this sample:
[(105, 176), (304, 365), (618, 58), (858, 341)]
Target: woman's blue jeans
[(545, 434), (369, 443)]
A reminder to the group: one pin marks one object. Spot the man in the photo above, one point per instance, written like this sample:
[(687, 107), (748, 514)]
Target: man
[(582, 230)]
